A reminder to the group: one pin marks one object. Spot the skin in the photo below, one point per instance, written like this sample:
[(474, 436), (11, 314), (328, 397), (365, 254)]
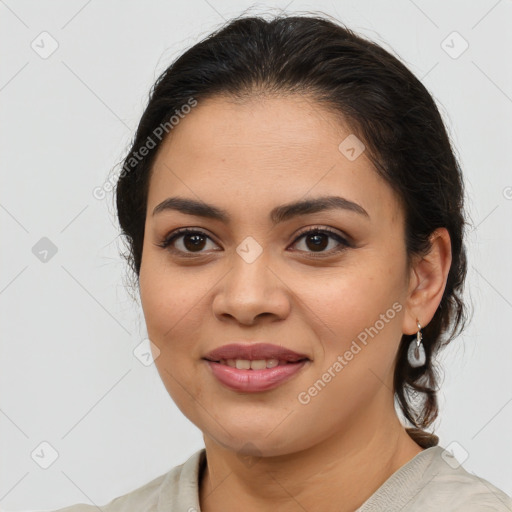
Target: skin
[(267, 451)]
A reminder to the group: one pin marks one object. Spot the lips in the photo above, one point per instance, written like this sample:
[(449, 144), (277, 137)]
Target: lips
[(255, 351), (254, 368)]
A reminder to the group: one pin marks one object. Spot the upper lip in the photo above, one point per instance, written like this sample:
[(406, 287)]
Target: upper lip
[(254, 351)]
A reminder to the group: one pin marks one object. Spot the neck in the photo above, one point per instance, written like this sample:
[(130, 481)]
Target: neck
[(340, 473)]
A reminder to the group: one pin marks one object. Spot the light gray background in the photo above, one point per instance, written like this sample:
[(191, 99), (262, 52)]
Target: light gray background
[(69, 327)]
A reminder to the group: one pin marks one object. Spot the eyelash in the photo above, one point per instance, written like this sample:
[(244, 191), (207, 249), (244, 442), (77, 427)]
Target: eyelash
[(168, 240)]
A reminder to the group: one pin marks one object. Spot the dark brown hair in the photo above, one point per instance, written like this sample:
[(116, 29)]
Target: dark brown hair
[(385, 105)]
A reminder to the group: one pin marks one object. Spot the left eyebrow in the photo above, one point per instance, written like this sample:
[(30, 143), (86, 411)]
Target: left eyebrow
[(278, 214)]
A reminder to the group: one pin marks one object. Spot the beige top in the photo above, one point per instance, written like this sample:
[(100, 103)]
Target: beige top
[(432, 481)]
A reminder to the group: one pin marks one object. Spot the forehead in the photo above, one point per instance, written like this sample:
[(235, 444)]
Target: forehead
[(272, 150), (257, 127)]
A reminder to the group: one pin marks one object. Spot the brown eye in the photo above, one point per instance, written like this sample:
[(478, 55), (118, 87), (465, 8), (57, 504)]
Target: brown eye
[(317, 240), (186, 241), (193, 242)]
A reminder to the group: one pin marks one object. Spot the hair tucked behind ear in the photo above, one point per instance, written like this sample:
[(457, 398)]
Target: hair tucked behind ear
[(384, 104)]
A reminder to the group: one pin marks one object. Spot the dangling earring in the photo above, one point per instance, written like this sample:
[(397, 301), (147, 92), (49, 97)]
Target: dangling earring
[(416, 352)]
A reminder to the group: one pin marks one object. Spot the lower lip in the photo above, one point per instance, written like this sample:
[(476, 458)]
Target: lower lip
[(254, 381)]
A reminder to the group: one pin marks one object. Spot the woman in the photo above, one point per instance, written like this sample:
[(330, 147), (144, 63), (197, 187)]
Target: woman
[(294, 217)]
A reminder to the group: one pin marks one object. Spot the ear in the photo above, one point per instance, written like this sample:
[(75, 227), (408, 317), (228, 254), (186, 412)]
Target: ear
[(427, 282)]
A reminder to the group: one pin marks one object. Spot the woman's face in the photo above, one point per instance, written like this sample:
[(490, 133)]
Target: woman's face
[(337, 297)]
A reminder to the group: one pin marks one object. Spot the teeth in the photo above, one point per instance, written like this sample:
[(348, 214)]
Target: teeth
[(257, 364), (243, 364)]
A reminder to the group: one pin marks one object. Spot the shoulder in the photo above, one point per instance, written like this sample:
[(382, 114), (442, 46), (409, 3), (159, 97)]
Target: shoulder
[(434, 481), (445, 483), (170, 489), (144, 498)]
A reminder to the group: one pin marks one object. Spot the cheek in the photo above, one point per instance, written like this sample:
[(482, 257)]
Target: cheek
[(358, 315), (170, 326), (169, 300), (348, 301), (172, 302)]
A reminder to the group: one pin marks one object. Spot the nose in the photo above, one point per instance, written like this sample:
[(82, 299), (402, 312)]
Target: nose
[(251, 292)]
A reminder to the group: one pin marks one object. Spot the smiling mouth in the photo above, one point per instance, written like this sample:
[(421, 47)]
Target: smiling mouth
[(256, 364)]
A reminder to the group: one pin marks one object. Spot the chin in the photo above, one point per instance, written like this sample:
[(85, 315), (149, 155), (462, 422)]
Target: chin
[(251, 443)]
